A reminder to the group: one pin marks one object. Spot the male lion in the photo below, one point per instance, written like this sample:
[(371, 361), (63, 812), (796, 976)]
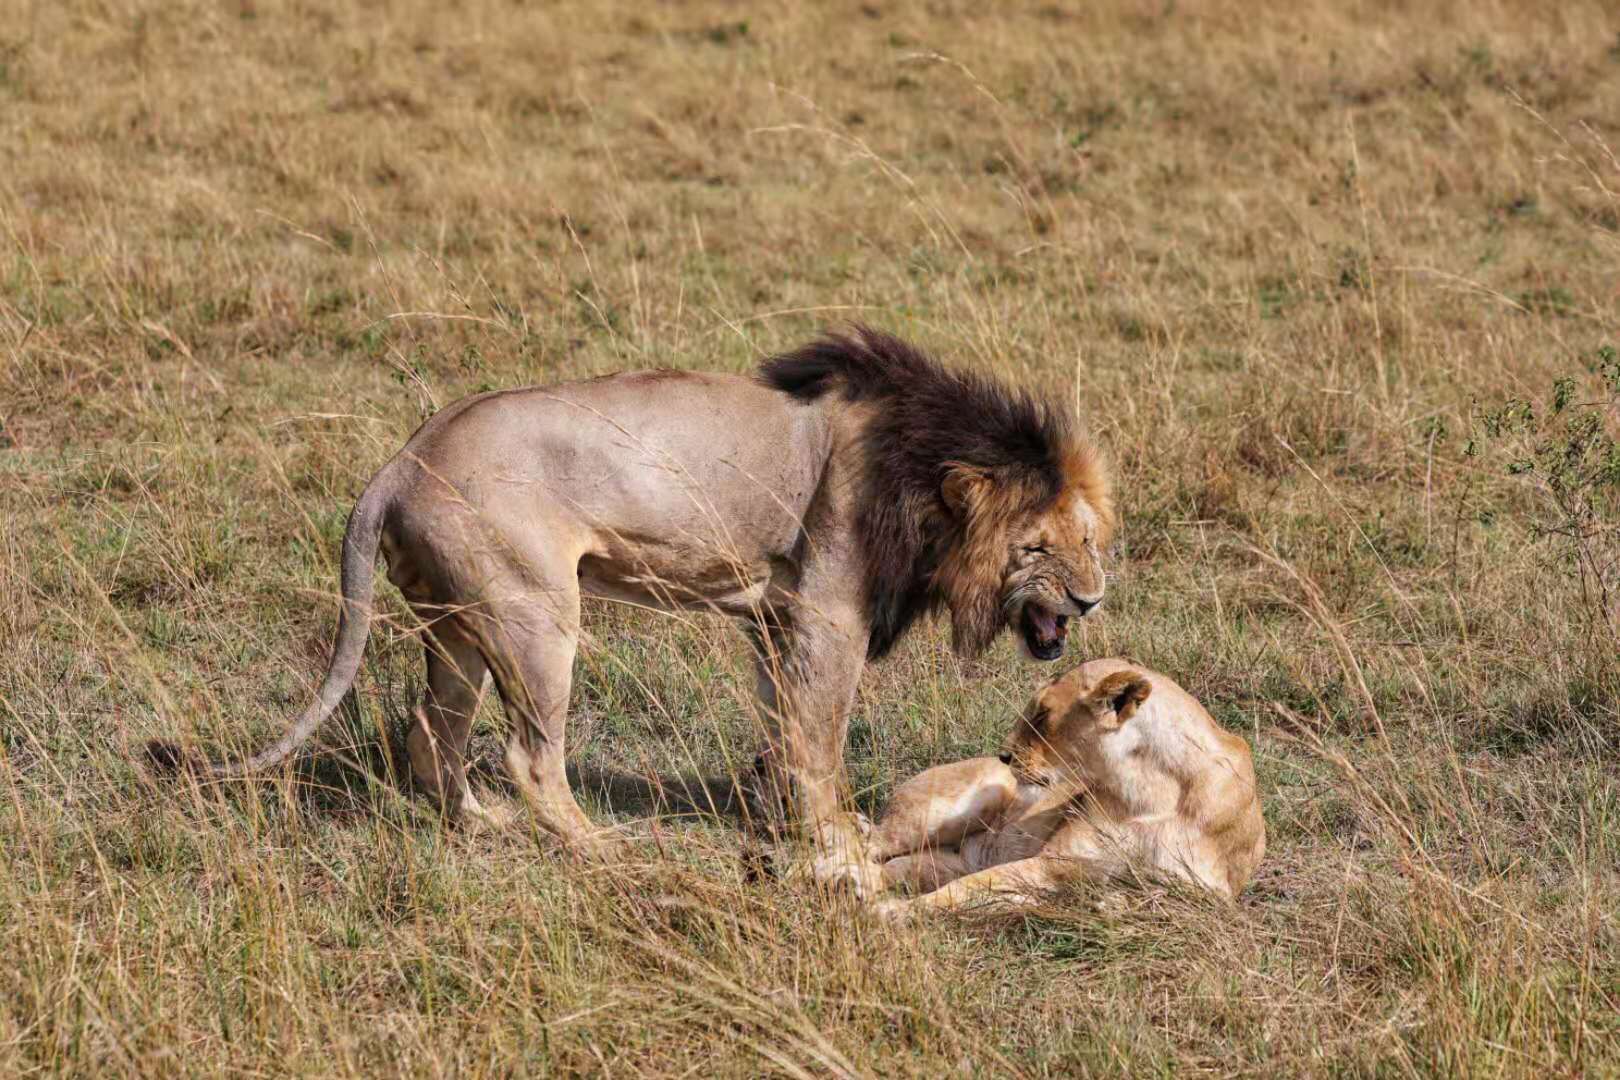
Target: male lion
[(851, 487), (1114, 770)]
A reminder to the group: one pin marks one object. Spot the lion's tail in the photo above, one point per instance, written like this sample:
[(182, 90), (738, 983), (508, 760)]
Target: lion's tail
[(360, 544)]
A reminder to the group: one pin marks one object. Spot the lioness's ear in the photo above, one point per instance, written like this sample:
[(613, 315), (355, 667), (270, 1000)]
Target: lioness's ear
[(1124, 691), (963, 488)]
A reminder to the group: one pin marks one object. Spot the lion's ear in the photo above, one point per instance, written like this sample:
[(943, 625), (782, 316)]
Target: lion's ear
[(964, 488), (1123, 691)]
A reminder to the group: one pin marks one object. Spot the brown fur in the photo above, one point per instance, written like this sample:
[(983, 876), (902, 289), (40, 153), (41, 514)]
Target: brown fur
[(933, 432)]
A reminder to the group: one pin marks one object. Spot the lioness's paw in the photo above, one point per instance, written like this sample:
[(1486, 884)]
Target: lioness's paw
[(862, 880), (843, 837), (894, 911)]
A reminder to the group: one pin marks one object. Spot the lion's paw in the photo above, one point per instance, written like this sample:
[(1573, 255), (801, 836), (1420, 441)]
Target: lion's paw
[(478, 817)]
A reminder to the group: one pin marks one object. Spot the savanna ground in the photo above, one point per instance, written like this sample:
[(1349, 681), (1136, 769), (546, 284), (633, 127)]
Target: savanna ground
[(1336, 284)]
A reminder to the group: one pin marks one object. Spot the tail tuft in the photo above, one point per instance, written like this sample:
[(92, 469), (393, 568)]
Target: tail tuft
[(166, 758), (360, 545)]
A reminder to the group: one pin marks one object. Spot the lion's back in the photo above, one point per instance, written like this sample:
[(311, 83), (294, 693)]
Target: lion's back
[(676, 474)]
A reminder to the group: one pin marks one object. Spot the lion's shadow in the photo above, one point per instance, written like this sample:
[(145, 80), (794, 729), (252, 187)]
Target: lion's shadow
[(619, 791), (347, 777), (341, 782)]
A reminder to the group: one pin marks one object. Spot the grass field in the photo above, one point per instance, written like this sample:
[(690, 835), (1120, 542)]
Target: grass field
[(1336, 285)]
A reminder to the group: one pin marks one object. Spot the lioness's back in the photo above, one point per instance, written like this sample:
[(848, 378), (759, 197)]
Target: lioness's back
[(1214, 766)]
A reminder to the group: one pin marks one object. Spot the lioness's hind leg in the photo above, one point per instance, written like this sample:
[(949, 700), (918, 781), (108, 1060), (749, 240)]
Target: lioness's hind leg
[(940, 807), (1010, 885), (925, 871)]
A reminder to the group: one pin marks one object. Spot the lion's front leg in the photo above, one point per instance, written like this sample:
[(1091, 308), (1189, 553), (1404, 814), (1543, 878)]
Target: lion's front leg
[(809, 667)]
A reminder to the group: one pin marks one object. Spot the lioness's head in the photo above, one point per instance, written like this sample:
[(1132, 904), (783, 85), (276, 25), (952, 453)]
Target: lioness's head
[(1027, 561), (1049, 745)]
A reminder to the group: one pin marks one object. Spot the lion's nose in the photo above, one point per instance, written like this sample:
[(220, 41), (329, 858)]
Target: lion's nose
[(1084, 606), (1006, 758)]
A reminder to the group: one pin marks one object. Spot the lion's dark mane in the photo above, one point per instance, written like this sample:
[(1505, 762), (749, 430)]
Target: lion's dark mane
[(926, 419)]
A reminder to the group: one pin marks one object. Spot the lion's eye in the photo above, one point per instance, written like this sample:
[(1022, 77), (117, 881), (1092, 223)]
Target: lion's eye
[(1038, 720), (1035, 549)]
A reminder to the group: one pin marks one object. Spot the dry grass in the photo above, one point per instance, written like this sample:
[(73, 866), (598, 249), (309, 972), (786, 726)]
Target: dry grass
[(1292, 267)]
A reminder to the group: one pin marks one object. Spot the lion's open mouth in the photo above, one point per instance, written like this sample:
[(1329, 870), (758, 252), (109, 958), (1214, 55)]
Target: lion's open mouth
[(1044, 630)]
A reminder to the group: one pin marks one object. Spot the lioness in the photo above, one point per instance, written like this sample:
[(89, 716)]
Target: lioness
[(1114, 769), (849, 488)]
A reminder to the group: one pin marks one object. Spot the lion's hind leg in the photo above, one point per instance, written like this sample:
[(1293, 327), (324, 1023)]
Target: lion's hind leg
[(437, 740), (529, 644)]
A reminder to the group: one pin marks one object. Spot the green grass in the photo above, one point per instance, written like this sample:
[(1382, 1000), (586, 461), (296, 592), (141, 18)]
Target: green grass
[(1298, 271)]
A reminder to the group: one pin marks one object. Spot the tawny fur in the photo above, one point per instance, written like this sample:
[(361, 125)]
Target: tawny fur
[(815, 503), (1115, 770)]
